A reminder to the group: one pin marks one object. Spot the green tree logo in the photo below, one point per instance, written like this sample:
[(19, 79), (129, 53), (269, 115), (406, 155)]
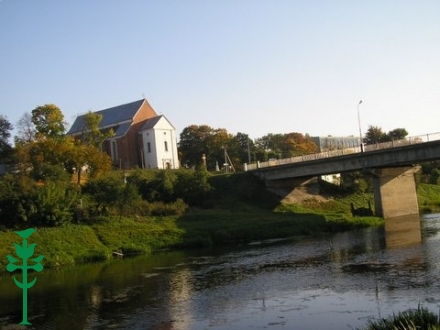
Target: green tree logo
[(25, 252)]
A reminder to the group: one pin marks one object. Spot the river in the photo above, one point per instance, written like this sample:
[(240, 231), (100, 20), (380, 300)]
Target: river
[(333, 282)]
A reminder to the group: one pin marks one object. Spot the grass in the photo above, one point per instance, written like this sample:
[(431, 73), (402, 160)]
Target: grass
[(140, 235), (415, 319), (65, 245), (428, 197)]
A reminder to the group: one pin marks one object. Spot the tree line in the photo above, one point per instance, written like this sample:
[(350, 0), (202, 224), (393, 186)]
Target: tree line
[(44, 185), (220, 147)]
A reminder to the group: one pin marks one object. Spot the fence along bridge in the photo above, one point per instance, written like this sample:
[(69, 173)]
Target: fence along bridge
[(392, 164)]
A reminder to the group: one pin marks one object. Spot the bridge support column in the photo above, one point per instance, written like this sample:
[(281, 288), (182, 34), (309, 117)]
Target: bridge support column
[(395, 192)]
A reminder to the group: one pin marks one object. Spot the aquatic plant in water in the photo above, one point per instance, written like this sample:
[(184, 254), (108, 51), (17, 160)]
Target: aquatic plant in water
[(414, 319)]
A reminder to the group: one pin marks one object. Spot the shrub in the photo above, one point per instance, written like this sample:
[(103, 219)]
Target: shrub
[(15, 198), (162, 209), (434, 176), (111, 194), (168, 186), (53, 204), (193, 187), (53, 173)]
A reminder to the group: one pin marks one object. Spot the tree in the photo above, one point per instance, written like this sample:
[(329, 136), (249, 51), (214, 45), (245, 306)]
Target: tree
[(26, 129), (86, 149), (196, 141), (80, 155), (46, 152), (374, 135), (297, 144), (97, 162), (49, 121), (5, 134), (284, 145), (92, 134), (397, 134), (269, 146), (241, 150)]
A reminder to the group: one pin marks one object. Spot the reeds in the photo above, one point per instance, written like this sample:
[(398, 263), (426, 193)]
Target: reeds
[(414, 319)]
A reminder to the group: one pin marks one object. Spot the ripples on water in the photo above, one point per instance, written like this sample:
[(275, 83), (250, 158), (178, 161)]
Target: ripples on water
[(339, 281)]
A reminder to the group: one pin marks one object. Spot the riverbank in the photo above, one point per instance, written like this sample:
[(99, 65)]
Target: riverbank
[(229, 220), (80, 243)]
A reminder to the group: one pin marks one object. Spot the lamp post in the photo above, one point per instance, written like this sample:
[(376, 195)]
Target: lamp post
[(359, 123)]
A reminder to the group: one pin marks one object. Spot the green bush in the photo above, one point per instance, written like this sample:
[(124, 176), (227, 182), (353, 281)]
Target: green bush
[(24, 203), (111, 194), (52, 204), (169, 186), (53, 173), (14, 191), (434, 176), (102, 193), (163, 209)]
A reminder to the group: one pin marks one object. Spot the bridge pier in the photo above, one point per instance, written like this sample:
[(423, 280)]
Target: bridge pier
[(395, 191)]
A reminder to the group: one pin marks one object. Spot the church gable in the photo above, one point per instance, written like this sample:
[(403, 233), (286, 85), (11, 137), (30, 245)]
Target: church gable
[(128, 147), (159, 143)]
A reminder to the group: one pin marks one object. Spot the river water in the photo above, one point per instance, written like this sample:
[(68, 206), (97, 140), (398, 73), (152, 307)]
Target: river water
[(337, 281)]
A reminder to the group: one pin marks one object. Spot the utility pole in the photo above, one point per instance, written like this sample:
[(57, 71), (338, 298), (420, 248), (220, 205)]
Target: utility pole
[(359, 123)]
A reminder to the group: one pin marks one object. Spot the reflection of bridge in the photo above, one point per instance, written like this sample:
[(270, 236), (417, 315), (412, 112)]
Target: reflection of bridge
[(392, 165)]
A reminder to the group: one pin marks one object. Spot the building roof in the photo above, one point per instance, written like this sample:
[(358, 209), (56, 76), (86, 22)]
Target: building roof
[(150, 123), (121, 116)]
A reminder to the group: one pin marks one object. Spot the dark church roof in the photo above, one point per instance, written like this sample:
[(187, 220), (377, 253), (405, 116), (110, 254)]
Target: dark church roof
[(119, 118), (150, 123)]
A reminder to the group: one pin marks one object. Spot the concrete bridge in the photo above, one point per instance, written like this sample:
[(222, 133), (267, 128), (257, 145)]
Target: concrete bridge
[(392, 165)]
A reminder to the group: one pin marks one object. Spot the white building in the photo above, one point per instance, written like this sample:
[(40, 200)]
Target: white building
[(159, 144)]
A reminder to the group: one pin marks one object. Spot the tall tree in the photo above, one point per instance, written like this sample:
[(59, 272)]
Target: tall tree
[(5, 134), (196, 141), (92, 134), (49, 121), (296, 144), (375, 135), (284, 145), (269, 146), (241, 149), (26, 129), (397, 134)]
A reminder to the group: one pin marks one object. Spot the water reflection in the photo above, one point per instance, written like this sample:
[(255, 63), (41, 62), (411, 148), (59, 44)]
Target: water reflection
[(403, 230), (339, 280)]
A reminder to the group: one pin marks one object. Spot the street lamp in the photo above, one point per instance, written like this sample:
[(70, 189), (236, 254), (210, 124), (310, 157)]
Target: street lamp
[(359, 123)]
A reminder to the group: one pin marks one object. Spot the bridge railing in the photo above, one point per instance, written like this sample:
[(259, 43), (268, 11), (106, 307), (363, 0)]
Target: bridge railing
[(340, 152)]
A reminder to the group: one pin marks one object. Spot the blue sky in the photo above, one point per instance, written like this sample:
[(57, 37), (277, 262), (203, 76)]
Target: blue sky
[(250, 66)]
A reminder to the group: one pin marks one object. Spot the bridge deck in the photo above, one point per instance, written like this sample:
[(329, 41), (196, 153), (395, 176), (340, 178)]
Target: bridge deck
[(420, 140)]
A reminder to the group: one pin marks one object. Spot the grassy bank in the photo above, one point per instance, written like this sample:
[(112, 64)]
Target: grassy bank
[(80, 243), (240, 210), (428, 198)]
